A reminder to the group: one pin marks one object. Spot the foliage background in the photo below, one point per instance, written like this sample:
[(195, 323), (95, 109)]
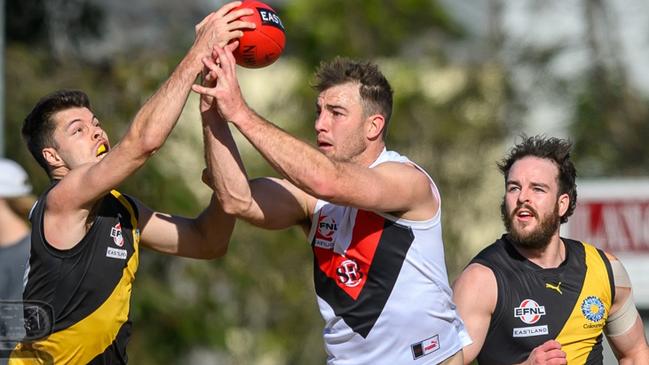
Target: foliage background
[(462, 96)]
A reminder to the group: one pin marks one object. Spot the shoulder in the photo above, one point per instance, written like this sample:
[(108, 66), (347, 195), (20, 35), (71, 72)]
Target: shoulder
[(476, 279), (492, 254), (477, 274)]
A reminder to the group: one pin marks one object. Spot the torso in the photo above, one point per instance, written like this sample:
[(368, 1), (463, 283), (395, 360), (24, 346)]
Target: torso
[(569, 303), (382, 286), (87, 287)]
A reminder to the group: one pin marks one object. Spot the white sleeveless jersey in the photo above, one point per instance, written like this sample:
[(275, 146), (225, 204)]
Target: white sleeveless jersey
[(382, 286)]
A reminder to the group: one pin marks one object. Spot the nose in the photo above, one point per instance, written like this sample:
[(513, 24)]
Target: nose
[(97, 133), (321, 122), (523, 196)]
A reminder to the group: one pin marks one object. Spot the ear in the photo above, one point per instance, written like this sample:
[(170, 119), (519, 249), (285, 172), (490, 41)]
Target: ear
[(375, 126), (564, 204), (52, 157)]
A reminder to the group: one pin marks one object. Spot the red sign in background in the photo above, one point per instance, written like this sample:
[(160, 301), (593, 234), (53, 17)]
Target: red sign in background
[(613, 225)]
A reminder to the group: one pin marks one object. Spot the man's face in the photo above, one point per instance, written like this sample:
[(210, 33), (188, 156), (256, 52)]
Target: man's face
[(532, 207), (79, 137), (340, 125)]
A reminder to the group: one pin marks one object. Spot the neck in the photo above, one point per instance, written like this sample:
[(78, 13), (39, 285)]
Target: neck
[(371, 153), (551, 256), (12, 227)]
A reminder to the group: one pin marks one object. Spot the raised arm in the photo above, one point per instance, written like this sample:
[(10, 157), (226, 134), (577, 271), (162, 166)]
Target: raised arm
[(265, 202), (153, 122), (70, 202), (624, 328), (345, 183)]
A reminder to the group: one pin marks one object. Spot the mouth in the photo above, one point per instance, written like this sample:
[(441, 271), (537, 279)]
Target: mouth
[(324, 145), (102, 149), (524, 213)]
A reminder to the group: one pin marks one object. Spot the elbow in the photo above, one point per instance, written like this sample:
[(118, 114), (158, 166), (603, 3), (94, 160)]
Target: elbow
[(142, 147), (216, 251), (323, 188), (149, 145), (236, 206)]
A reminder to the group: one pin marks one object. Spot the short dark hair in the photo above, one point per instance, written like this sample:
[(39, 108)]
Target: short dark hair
[(375, 90), (38, 127), (554, 149)]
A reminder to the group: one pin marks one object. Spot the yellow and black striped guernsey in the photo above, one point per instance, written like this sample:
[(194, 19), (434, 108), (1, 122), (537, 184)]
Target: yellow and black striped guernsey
[(569, 303), (88, 288)]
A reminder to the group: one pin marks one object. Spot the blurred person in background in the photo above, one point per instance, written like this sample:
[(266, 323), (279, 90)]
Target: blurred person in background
[(534, 297), (85, 234), (371, 216), (15, 202)]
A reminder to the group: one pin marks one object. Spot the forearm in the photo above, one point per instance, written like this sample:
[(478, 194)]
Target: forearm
[(301, 164), (155, 120), (225, 167)]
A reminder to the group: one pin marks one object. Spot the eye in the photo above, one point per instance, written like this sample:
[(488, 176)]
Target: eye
[(77, 130), (512, 188)]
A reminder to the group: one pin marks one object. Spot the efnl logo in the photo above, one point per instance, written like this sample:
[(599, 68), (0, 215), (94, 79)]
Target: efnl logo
[(324, 235), (529, 311)]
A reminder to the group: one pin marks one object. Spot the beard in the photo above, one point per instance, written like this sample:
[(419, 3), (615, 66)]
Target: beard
[(351, 150), (538, 238)]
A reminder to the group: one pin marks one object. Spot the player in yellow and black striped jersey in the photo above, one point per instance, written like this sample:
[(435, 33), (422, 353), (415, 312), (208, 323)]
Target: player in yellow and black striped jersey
[(88, 287), (535, 297), (86, 235), (569, 303)]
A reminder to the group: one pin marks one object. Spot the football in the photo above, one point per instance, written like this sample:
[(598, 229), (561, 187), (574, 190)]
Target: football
[(263, 45)]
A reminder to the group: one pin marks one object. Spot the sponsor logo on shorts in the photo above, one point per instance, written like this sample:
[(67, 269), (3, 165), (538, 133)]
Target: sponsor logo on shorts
[(530, 331), (425, 347), (116, 253), (529, 311)]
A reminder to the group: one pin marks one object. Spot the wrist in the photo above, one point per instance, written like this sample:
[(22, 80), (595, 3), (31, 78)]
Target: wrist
[(243, 116), (194, 59)]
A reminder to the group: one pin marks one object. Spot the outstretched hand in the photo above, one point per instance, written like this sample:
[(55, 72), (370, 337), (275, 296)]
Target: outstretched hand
[(549, 353), (221, 87), (209, 78), (222, 26)]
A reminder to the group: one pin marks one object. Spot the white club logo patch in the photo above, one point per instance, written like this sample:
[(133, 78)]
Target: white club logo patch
[(349, 274), (529, 311)]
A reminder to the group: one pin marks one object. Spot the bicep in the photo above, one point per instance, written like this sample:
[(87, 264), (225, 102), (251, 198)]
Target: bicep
[(162, 232), (390, 187), (632, 344), (476, 280), (624, 327), (278, 204)]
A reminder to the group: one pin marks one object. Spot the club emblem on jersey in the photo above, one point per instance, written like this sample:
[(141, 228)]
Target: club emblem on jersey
[(593, 309), (349, 273), (116, 234), (324, 235), (529, 311)]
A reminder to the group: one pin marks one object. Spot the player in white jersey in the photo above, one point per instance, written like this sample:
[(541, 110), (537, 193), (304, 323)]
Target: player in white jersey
[(372, 216)]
